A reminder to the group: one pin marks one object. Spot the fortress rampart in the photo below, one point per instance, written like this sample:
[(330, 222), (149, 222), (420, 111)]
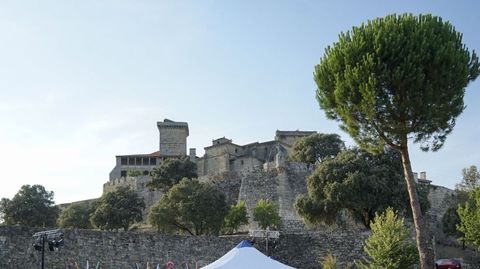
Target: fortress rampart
[(125, 249)]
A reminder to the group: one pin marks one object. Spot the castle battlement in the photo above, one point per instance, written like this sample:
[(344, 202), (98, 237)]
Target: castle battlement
[(136, 183)]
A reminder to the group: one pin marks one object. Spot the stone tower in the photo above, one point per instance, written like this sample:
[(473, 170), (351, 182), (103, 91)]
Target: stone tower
[(173, 138)]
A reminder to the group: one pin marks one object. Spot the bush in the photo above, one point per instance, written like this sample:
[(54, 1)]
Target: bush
[(389, 246), (329, 262), (236, 217), (266, 214)]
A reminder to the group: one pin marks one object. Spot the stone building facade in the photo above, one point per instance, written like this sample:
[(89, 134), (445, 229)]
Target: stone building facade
[(225, 156), (222, 156), (173, 144)]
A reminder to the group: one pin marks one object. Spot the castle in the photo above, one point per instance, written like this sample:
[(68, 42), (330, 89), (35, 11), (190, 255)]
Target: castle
[(222, 156), (248, 172)]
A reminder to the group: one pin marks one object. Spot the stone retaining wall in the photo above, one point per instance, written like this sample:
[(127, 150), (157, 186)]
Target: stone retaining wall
[(123, 249)]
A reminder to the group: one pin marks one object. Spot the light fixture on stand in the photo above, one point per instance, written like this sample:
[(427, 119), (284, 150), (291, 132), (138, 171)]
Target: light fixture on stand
[(53, 238)]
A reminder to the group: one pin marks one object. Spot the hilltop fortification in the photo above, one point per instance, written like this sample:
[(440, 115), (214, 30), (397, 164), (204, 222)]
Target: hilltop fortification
[(258, 170)]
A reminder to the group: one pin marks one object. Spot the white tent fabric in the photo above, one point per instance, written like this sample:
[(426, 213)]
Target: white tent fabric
[(245, 256)]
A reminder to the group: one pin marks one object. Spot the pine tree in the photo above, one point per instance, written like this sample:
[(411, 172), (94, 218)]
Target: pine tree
[(397, 79)]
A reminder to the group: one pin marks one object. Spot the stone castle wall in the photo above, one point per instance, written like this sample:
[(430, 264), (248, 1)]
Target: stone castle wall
[(440, 199), (280, 184), (138, 184), (255, 185), (124, 249)]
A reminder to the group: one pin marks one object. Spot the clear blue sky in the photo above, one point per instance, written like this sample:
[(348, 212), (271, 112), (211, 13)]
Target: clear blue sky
[(83, 81)]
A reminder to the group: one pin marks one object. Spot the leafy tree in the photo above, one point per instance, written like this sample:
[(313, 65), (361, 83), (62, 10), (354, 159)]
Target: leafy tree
[(171, 171), (395, 78), (266, 214), (451, 219), (317, 147), (389, 245), (471, 179), (77, 215), (118, 209), (190, 206), (348, 181), (31, 206), (236, 217), (469, 215)]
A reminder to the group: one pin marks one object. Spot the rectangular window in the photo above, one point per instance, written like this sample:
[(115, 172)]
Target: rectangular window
[(153, 161), (138, 161), (131, 161), (145, 161), (123, 161)]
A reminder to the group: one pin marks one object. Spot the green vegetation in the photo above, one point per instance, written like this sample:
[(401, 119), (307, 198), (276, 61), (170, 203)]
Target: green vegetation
[(266, 214), (118, 209), (390, 245), (236, 217), (329, 262), (171, 171), (190, 206), (348, 181), (31, 206), (316, 148), (469, 215), (134, 173), (451, 219), (395, 78), (77, 215)]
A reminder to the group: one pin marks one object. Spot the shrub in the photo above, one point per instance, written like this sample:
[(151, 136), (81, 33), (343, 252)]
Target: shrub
[(389, 245)]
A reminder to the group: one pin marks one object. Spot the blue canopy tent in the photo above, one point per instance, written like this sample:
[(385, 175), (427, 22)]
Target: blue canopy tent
[(245, 256)]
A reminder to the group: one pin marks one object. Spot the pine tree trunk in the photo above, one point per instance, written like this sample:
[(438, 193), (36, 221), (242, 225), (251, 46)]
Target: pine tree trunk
[(421, 230)]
